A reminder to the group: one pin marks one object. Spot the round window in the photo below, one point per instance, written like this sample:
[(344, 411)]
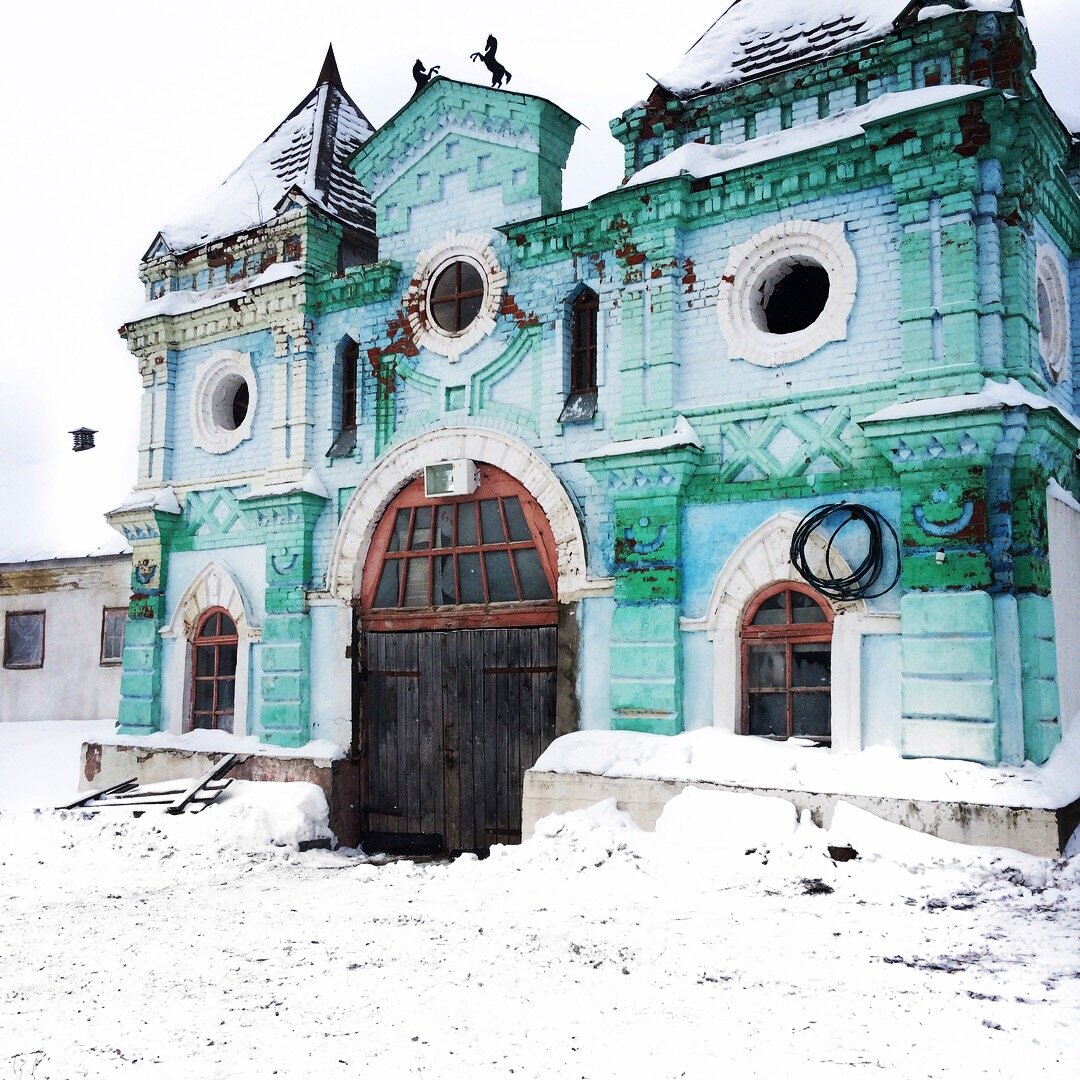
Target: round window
[(223, 402), (792, 295), (457, 296), (786, 292), (1051, 295), (230, 402)]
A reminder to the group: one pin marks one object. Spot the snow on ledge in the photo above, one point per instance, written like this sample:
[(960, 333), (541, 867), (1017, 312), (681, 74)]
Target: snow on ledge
[(710, 755), (702, 159), (182, 301), (221, 742), (309, 483), (994, 395), (682, 434), (163, 499)]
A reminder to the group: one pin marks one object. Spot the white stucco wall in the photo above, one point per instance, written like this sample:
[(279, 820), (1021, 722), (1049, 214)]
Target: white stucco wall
[(72, 684)]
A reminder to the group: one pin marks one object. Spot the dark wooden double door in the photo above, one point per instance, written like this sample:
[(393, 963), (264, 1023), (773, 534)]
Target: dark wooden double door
[(452, 719)]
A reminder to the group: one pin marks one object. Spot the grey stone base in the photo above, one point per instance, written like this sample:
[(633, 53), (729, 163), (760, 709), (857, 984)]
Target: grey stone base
[(1039, 832), (103, 764)]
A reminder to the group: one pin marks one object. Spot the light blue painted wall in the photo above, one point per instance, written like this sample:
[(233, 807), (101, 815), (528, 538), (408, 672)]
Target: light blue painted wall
[(711, 534), (880, 691), (872, 350), (595, 669), (252, 455)]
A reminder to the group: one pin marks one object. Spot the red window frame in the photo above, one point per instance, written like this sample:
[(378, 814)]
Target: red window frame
[(494, 484), (787, 634), (212, 643)]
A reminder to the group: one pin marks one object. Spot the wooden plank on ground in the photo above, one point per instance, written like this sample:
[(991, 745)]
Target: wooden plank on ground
[(124, 785), (182, 800)]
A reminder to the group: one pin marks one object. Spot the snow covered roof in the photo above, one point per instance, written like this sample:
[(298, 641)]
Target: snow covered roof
[(702, 159), (305, 154), (754, 37)]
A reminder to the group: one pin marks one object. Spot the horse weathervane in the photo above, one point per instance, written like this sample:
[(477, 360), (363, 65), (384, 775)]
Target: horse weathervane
[(423, 77), (498, 72)]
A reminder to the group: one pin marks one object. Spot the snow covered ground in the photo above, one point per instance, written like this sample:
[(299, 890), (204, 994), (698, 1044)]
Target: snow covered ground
[(728, 943)]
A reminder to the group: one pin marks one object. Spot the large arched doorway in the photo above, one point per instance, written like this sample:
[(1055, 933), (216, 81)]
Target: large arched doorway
[(457, 658), (787, 664)]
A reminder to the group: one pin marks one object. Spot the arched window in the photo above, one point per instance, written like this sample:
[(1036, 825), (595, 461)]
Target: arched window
[(581, 398), (346, 400), (213, 671), (476, 560), (787, 664)]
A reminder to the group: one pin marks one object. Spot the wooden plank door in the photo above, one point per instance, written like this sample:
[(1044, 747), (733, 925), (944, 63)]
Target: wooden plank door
[(452, 720)]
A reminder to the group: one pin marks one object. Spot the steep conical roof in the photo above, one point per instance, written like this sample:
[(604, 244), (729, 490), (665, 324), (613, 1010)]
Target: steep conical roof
[(306, 152)]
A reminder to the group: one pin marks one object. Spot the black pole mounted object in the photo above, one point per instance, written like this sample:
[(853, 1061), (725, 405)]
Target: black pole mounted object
[(857, 584), (84, 438)]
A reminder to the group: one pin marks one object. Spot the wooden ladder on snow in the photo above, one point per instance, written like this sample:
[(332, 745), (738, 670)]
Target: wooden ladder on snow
[(129, 795)]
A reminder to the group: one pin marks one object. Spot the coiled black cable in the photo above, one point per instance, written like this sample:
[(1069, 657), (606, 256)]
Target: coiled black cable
[(857, 584)]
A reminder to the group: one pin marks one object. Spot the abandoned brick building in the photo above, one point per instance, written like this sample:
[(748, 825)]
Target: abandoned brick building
[(433, 469)]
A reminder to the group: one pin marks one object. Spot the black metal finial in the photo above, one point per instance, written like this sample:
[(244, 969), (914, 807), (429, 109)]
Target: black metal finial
[(421, 76), (84, 438), (498, 72)]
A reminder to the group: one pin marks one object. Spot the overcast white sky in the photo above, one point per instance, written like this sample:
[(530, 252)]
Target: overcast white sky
[(117, 116)]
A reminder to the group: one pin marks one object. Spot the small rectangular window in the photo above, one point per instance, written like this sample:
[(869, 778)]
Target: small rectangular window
[(581, 400), (112, 635), (24, 639)]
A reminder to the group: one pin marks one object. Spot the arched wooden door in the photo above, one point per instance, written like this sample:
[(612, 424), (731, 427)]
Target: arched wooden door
[(457, 665)]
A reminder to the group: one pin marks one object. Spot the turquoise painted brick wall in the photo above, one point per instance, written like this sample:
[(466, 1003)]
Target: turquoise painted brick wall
[(948, 676)]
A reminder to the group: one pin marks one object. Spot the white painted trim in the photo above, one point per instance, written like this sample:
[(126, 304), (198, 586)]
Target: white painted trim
[(754, 264), (404, 462), (208, 432), (212, 586), (849, 628), (1054, 340)]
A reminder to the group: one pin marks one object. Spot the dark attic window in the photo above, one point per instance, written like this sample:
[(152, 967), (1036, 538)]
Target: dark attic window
[(794, 298), (345, 399)]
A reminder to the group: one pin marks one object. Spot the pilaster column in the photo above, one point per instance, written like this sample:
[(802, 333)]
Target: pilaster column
[(286, 522), (148, 528), (646, 643)]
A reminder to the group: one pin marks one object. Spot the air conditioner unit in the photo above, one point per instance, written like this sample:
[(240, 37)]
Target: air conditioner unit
[(460, 477)]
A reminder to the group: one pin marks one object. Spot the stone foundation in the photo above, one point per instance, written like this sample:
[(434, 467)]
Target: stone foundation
[(1036, 831), (103, 764)]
